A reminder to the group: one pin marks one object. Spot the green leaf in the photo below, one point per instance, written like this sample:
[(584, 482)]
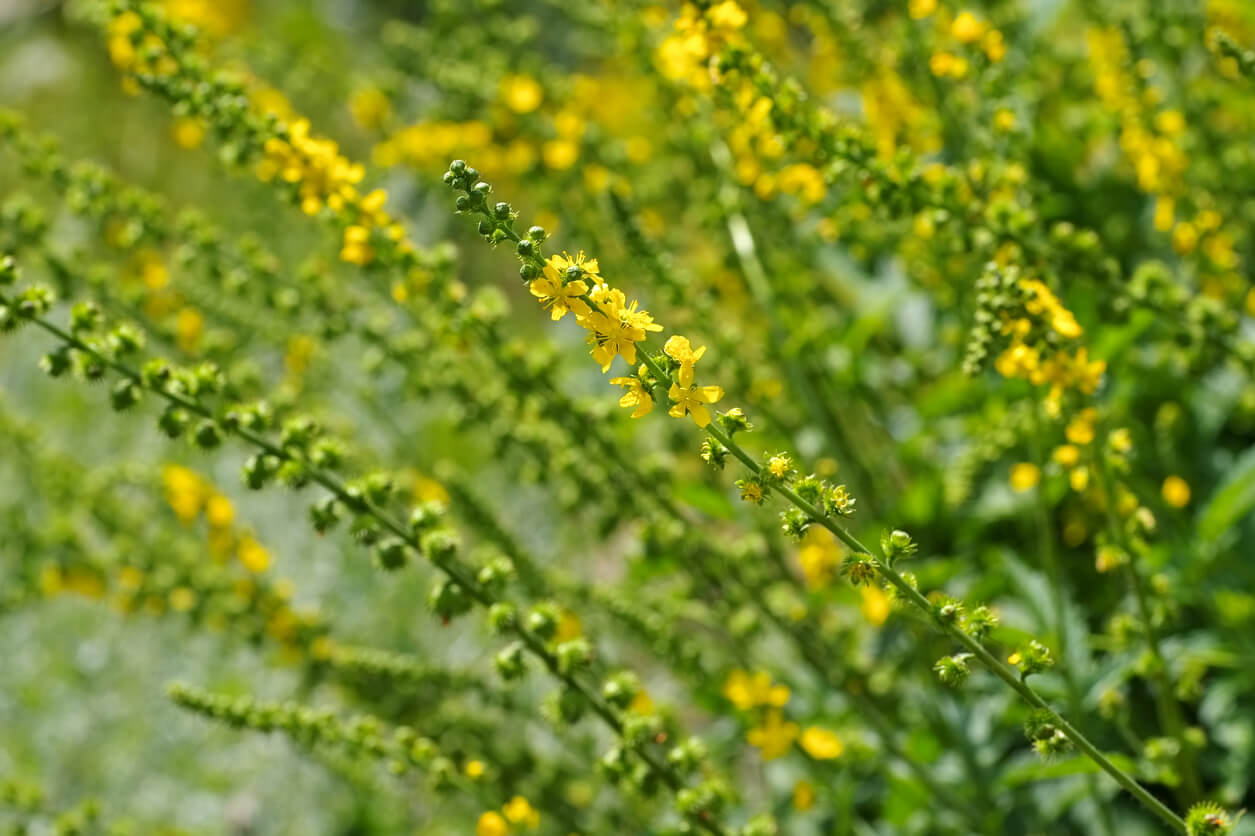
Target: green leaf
[(1233, 500)]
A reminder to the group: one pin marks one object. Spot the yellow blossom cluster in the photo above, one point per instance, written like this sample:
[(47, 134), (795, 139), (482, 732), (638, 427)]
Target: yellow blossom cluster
[(191, 496), (1153, 140), (326, 178), (1042, 365), (965, 30), (774, 736), (149, 55), (573, 284), (685, 55), (518, 811)]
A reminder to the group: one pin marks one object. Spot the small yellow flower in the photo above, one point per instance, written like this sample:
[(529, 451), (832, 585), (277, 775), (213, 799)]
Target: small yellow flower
[(491, 824), (474, 769), (637, 398), (253, 555), (1067, 455), (1024, 476), (569, 627), (803, 796), (693, 401), (681, 350), (920, 9), (994, 45), (966, 28), (219, 511), (1176, 491), (747, 691), (1184, 238), (774, 737), (188, 327), (821, 744), (356, 248), (519, 811), (559, 298), (726, 15), (182, 599), (1081, 429), (1004, 120), (188, 132), (521, 93), (779, 466), (752, 491), (1079, 478), (875, 607)]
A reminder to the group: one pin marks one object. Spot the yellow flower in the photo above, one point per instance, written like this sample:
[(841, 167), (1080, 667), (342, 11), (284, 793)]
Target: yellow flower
[(774, 737), (1176, 491), (966, 28), (521, 93), (642, 703), (994, 45), (188, 132), (803, 796), (875, 606), (1165, 213), (557, 297), (185, 491), (491, 824), (752, 491), (920, 9), (1024, 476), (692, 401), (188, 326), (679, 349), (637, 397), (1067, 455), (253, 555), (821, 744), (586, 266), (519, 811), (219, 511), (747, 691), (560, 154), (726, 15), (356, 248), (370, 107), (474, 769), (1184, 238), (1081, 428), (182, 599), (569, 627), (1004, 120), (1079, 478), (616, 326), (779, 466)]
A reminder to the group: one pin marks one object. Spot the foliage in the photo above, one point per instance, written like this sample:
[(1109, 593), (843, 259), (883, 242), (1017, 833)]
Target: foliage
[(926, 508)]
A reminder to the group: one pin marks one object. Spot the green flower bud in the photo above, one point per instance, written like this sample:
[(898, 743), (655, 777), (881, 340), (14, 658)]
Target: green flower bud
[(510, 662)]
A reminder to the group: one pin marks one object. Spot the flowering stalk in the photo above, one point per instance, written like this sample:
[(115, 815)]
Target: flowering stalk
[(598, 313), (699, 804)]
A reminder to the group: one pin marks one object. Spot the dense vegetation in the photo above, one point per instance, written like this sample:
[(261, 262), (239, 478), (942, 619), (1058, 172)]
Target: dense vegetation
[(624, 417)]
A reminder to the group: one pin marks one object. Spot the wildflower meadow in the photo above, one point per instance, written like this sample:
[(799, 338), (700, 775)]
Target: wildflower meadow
[(598, 417)]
